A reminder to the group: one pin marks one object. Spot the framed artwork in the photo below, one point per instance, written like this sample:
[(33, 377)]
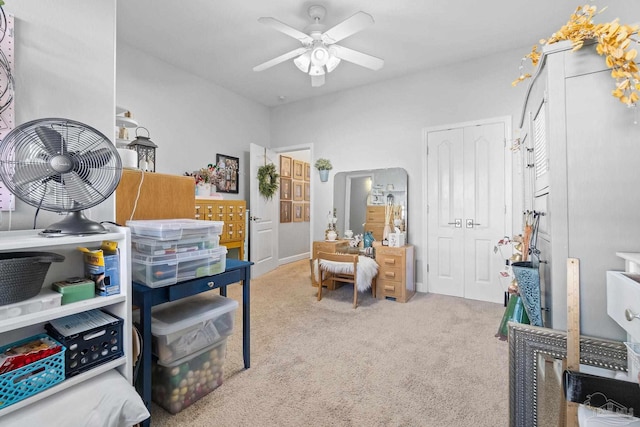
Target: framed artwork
[(285, 211), (285, 188), (298, 193), (307, 212), (307, 192), (298, 212), (227, 173), (307, 171), (298, 169), (285, 166)]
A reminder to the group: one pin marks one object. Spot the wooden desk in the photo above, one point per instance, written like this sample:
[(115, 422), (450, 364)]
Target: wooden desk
[(145, 298)]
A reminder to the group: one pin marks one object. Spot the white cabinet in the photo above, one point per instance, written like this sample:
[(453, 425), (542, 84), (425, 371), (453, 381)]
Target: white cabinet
[(13, 329), (583, 176)]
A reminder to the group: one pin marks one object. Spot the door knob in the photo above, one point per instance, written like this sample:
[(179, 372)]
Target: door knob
[(630, 315), (471, 224), (255, 218), (457, 222)]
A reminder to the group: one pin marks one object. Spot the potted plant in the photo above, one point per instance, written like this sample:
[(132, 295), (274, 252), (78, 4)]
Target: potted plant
[(323, 166)]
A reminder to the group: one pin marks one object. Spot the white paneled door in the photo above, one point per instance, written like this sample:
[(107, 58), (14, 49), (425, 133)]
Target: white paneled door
[(467, 211), (263, 219)]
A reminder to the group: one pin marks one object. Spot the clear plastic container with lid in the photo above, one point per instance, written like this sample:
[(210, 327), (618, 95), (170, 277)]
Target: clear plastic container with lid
[(163, 270), (174, 229), (183, 327), (150, 246)]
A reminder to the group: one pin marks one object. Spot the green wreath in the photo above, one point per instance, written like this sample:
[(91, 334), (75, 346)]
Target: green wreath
[(268, 180)]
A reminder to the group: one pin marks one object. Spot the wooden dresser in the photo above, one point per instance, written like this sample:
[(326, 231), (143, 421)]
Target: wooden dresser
[(329, 247), (232, 213), (374, 221), (395, 278)]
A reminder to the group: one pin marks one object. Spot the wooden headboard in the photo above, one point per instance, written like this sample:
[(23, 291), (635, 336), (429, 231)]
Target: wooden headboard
[(161, 196)]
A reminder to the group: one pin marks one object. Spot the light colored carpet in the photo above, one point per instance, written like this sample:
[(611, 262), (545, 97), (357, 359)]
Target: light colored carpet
[(433, 361)]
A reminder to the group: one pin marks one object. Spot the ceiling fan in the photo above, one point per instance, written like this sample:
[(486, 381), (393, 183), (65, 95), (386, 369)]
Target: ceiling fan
[(319, 51)]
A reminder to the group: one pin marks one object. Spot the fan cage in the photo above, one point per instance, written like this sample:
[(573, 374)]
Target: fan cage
[(59, 165)]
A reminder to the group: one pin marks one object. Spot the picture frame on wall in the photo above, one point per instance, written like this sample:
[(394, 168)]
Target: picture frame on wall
[(298, 212), (285, 188), (298, 191), (307, 192), (307, 171), (298, 169), (227, 174), (285, 211), (307, 212), (285, 166)]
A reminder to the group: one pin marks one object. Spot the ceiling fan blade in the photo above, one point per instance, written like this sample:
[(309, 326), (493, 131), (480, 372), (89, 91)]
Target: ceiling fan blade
[(281, 58), (29, 172), (286, 29), (317, 81), (358, 58), (357, 22), (52, 140)]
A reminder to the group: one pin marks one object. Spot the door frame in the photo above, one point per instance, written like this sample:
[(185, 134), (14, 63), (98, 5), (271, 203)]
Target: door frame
[(313, 182), (508, 189)]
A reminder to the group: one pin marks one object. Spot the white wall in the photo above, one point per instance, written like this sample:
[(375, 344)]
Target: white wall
[(381, 126), (188, 118), (64, 67)]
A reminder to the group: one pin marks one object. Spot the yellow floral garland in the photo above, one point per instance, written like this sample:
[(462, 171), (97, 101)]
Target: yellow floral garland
[(613, 41)]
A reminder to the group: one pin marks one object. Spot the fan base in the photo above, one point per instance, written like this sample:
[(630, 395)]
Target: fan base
[(75, 224)]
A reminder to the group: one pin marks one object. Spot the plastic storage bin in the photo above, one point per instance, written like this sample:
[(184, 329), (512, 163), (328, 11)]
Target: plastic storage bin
[(45, 300), (31, 379), (149, 246), (178, 385), (164, 270), (183, 327), (173, 229)]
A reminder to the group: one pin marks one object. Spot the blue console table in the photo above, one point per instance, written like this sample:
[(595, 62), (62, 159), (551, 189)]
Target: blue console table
[(145, 298)]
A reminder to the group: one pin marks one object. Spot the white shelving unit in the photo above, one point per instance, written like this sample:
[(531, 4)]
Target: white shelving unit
[(16, 328)]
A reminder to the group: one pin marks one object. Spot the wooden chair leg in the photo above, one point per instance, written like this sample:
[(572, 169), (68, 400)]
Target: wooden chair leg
[(355, 295), (320, 285)]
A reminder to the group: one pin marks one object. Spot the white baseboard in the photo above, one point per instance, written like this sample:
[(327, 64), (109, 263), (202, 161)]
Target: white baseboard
[(421, 287), (294, 258)]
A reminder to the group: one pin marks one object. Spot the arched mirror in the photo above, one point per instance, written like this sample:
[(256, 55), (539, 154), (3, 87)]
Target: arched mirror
[(361, 197)]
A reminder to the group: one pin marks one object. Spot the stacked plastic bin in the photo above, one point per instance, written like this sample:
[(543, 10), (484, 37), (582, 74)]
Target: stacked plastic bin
[(188, 336), (169, 251), (189, 341)]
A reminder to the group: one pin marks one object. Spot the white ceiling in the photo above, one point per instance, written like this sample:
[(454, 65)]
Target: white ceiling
[(222, 40)]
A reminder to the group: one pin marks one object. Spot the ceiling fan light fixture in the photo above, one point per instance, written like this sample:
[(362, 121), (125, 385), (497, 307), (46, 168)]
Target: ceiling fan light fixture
[(303, 61), (316, 70), (319, 55), (333, 62)]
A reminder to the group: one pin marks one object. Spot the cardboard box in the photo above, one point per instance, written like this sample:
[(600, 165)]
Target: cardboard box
[(103, 267)]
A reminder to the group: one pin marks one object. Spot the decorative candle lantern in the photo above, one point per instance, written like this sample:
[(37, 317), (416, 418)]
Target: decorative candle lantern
[(146, 150)]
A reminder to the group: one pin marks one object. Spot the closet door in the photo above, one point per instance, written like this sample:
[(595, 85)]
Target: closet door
[(466, 210)]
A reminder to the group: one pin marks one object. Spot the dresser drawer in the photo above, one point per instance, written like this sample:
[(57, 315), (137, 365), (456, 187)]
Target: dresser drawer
[(623, 293), (375, 214), (391, 273), (386, 288)]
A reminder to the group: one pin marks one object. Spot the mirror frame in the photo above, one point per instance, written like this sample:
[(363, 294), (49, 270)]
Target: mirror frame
[(527, 342)]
